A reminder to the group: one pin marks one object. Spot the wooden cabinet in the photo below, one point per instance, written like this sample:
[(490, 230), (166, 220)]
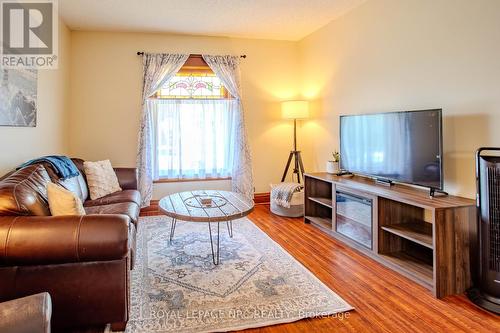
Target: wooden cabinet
[(429, 240)]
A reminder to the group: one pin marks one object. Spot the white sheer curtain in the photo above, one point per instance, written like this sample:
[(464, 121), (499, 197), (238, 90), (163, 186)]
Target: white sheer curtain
[(158, 69), (193, 137), (228, 70)]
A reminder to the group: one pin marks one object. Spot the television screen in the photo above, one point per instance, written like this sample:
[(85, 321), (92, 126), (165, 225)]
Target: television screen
[(398, 146)]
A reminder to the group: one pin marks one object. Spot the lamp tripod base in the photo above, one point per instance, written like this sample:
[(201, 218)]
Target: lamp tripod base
[(298, 169)]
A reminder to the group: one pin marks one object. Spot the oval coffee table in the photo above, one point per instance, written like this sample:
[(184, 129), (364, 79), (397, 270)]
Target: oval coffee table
[(194, 206)]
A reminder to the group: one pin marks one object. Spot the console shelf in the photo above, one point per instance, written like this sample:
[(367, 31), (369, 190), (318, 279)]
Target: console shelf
[(418, 232), (323, 201), (418, 269), (320, 221), (428, 240)]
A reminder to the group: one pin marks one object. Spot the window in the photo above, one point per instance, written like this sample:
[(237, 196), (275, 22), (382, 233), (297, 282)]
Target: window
[(192, 126), (194, 85)]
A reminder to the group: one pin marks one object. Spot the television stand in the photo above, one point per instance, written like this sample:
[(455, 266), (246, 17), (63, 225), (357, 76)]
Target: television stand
[(430, 241)]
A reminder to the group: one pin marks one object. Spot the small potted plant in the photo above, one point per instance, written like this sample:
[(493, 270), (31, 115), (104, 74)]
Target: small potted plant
[(332, 166)]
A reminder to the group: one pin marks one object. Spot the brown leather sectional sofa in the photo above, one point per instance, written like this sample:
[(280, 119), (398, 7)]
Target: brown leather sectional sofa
[(83, 262)]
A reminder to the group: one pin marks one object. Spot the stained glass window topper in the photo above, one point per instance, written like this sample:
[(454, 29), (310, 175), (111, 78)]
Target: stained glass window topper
[(194, 85)]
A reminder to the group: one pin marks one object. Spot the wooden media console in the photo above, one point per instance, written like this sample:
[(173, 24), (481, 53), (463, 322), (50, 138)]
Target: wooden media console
[(429, 240)]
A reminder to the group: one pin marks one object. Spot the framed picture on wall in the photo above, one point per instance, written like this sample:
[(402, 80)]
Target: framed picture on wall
[(18, 97)]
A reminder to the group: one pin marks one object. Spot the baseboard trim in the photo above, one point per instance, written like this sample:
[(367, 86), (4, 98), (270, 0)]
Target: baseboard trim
[(153, 206), (262, 198)]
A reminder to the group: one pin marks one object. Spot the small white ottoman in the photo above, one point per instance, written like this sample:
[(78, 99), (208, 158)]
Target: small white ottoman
[(296, 206)]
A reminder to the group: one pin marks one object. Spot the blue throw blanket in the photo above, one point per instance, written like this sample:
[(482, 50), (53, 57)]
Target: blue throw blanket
[(62, 165)]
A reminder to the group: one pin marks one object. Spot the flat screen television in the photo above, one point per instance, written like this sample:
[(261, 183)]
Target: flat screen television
[(404, 146)]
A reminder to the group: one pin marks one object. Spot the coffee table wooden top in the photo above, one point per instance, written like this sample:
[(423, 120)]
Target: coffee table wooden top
[(187, 206)]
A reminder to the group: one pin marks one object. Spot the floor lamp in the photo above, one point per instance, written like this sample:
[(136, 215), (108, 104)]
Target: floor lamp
[(294, 110)]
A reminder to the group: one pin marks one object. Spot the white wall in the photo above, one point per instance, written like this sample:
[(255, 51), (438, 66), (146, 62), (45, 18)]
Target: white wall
[(391, 55), (161, 190), (49, 137)]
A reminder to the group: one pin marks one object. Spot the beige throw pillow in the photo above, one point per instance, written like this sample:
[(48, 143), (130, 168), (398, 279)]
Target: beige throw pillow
[(63, 202), (101, 178)]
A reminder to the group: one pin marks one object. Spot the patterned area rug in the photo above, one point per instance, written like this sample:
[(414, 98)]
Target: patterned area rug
[(177, 288)]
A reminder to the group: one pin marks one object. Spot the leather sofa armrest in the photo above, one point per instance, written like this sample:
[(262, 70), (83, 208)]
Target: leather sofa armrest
[(127, 177), (29, 314), (43, 240)]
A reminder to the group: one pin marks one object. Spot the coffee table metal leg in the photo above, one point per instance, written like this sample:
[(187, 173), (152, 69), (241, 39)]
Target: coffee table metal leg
[(229, 225), (214, 254), (172, 229)]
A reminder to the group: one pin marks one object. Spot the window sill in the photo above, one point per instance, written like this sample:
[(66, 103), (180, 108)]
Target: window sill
[(182, 180)]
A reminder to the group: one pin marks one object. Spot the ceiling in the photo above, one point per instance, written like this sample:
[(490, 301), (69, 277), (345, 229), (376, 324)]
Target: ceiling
[(265, 19)]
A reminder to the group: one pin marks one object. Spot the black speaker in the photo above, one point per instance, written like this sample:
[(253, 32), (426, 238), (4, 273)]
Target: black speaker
[(486, 290)]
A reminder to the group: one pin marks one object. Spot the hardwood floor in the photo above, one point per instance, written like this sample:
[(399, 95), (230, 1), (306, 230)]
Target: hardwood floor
[(384, 300)]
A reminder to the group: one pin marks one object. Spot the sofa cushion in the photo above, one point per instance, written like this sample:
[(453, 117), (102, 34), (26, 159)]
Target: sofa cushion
[(63, 202), (101, 178), (130, 209), (76, 184), (24, 192), (117, 197)]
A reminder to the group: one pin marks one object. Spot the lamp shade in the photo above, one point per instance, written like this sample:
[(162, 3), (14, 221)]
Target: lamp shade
[(295, 109)]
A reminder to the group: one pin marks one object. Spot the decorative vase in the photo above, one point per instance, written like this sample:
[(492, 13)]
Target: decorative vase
[(332, 167)]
